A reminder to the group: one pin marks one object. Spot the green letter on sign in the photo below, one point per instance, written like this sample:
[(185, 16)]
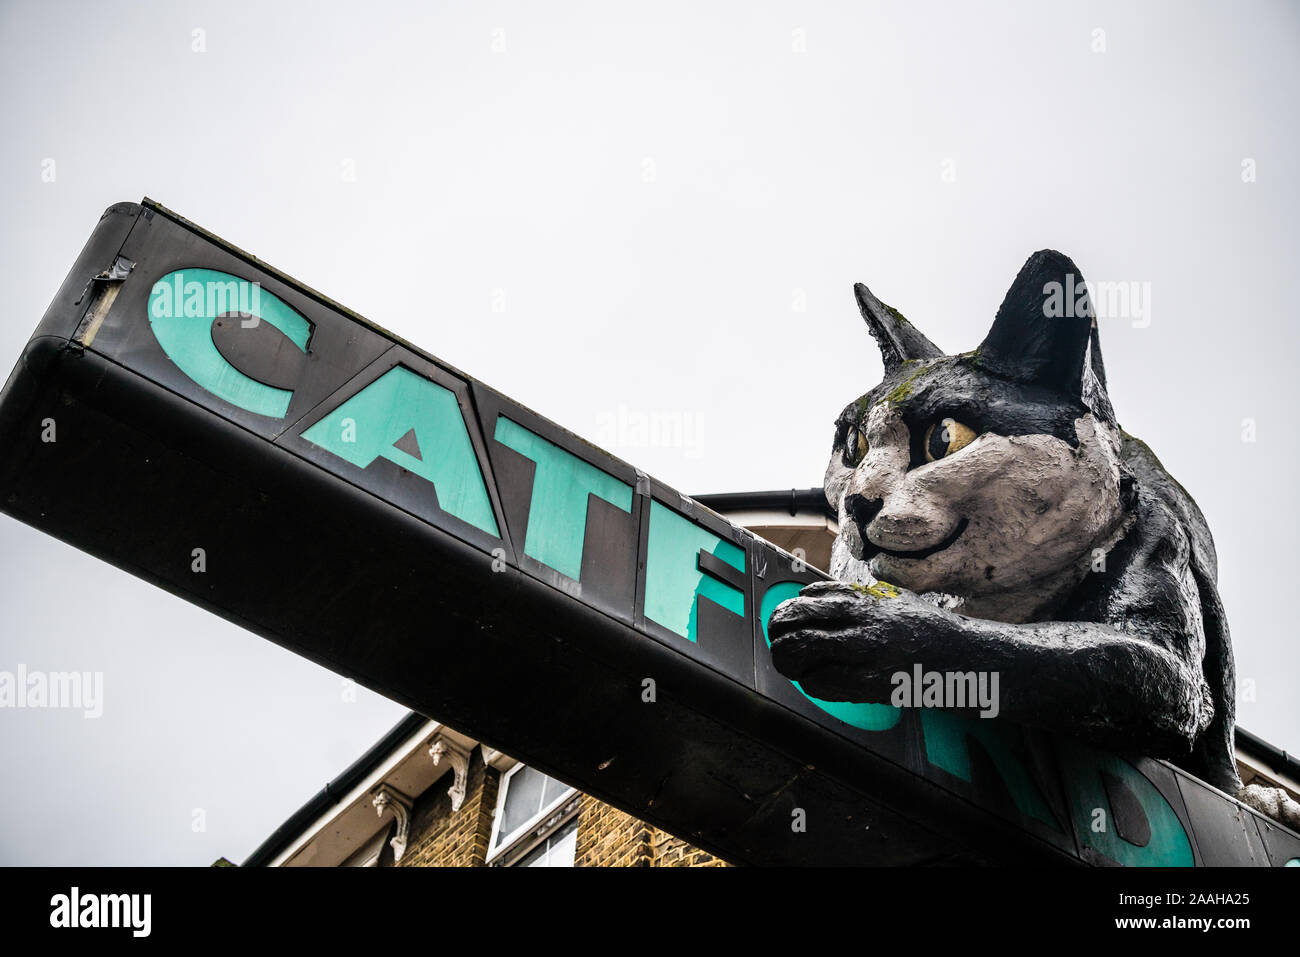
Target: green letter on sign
[(437, 448), (182, 307), (557, 515), (672, 573), (1167, 845), (946, 747)]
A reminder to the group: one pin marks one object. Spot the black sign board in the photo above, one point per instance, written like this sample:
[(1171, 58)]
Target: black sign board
[(212, 426)]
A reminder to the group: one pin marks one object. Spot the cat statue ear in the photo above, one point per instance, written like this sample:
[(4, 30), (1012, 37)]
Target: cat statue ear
[(1045, 331), (898, 339)]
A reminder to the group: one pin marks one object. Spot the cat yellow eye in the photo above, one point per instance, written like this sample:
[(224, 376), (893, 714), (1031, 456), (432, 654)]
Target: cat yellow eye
[(855, 447), (946, 437)]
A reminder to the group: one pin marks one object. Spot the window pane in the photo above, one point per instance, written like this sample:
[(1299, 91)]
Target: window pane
[(523, 800), (564, 846), (553, 790), (534, 858), (556, 851)]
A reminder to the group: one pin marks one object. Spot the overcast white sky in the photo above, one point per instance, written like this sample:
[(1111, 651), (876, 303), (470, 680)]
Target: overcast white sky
[(650, 191)]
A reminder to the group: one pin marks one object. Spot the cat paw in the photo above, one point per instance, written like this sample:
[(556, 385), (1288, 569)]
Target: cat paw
[(1272, 802), (843, 642)]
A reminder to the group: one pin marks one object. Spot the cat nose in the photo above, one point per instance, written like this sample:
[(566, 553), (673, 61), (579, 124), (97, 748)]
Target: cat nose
[(862, 510)]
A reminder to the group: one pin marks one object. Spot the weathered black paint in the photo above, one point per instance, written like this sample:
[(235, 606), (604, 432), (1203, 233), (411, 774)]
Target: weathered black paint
[(1139, 638)]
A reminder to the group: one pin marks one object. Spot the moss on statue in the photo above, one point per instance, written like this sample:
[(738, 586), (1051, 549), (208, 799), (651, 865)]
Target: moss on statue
[(904, 389), (897, 315), (876, 590)]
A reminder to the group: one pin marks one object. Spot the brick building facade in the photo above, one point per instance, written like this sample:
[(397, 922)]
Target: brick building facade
[(427, 796), (603, 836)]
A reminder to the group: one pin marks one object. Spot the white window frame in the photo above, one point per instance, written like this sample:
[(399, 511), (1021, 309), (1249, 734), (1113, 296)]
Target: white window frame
[(525, 846), (519, 840)]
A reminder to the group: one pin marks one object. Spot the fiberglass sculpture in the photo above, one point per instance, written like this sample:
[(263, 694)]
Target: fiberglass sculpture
[(995, 517)]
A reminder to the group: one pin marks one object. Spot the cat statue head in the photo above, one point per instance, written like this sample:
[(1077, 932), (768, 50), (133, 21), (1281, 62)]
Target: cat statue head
[(989, 479)]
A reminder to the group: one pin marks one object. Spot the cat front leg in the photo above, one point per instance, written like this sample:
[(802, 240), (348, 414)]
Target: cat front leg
[(1123, 690)]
